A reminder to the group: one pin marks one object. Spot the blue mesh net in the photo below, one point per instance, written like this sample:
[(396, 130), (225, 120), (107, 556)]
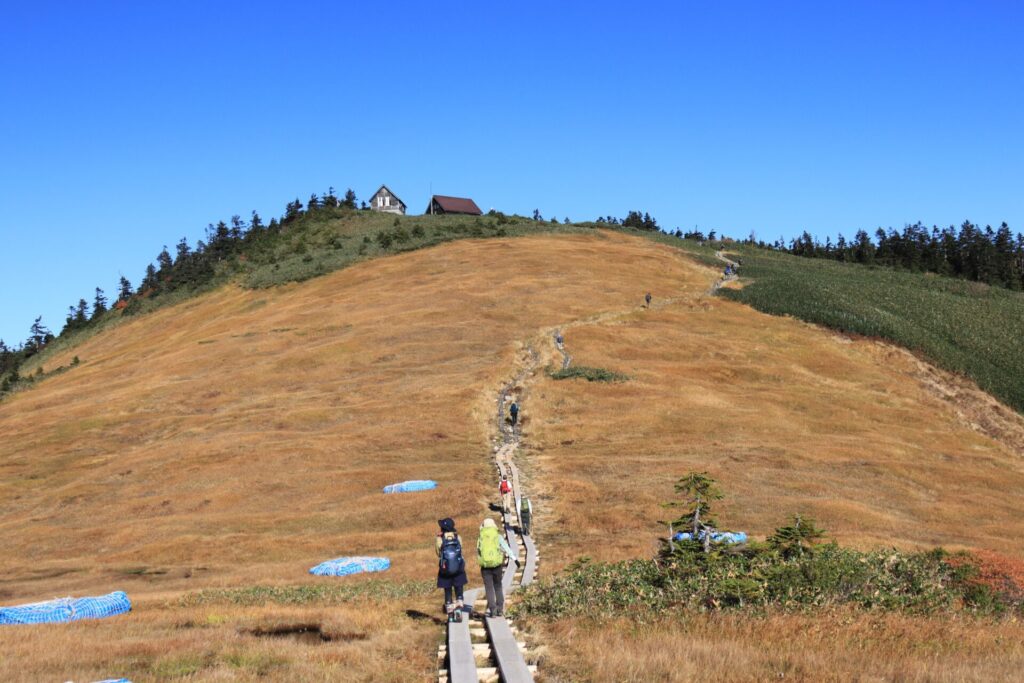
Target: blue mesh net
[(66, 609), (343, 566), (414, 485)]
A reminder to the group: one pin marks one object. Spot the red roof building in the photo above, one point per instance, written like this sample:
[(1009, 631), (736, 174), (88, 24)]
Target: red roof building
[(440, 204)]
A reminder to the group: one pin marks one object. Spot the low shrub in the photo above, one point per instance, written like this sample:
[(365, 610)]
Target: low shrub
[(589, 374)]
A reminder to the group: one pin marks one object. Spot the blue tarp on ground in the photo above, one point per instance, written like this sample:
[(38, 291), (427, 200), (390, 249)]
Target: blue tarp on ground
[(115, 680), (716, 536), (343, 566), (66, 609), (409, 486)]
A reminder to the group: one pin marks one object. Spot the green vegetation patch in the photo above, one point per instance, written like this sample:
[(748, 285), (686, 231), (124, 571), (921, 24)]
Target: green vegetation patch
[(756, 576), (320, 594), (589, 374), (791, 569), (966, 327)]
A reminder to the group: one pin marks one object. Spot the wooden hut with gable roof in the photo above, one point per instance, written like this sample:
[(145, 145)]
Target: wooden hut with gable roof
[(458, 205), (387, 201)]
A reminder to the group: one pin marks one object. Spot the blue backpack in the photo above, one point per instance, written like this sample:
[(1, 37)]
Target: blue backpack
[(450, 563)]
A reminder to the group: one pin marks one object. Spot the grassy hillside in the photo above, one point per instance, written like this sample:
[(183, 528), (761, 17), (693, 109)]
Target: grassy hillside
[(236, 438), (966, 327), (243, 436)]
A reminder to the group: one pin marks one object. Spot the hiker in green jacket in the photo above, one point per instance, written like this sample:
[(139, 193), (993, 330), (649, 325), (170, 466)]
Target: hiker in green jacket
[(492, 552)]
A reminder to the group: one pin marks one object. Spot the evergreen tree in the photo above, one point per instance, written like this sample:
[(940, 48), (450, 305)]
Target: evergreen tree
[(164, 262), (256, 224), (183, 251), (150, 280), (698, 491), (350, 199), (99, 304), (313, 204), (39, 336), (797, 538), (82, 313), (329, 200), (124, 289), (292, 212)]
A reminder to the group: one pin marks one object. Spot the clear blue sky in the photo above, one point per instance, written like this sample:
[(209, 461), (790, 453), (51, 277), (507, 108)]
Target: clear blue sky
[(124, 127)]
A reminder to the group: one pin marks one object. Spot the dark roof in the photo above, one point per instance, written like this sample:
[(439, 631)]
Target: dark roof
[(385, 187), (456, 205)]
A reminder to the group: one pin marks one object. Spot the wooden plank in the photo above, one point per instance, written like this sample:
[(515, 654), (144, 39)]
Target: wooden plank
[(530, 567), (508, 579), (461, 658), (509, 658)]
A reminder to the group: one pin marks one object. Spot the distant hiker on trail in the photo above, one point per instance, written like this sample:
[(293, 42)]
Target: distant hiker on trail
[(513, 413), (451, 568), (505, 488), (492, 552), (559, 340), (647, 298), (525, 515)]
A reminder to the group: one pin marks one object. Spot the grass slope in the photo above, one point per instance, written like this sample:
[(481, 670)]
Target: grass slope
[(219, 447), (242, 436), (965, 327)]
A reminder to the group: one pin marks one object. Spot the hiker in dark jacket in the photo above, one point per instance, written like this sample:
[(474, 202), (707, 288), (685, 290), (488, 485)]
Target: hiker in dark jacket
[(647, 298), (451, 569), (513, 412)]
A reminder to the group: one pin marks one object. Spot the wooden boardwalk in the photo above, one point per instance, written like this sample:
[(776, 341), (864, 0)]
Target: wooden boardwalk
[(472, 654)]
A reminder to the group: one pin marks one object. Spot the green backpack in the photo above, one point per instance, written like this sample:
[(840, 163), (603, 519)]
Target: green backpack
[(489, 548)]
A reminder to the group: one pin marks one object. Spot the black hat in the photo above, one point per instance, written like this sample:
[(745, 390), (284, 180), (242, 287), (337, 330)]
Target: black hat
[(446, 524)]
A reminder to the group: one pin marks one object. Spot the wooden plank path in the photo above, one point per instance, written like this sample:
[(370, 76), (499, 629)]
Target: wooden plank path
[(501, 657)]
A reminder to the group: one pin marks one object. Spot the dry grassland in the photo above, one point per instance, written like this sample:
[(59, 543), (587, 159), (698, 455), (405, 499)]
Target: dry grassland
[(244, 436), (882, 449), (788, 417), (811, 648)]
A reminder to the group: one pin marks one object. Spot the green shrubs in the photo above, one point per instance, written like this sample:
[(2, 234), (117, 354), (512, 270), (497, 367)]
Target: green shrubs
[(792, 570), (757, 576), (589, 374)]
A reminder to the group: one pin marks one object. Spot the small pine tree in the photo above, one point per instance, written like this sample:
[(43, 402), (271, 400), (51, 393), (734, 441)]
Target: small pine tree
[(698, 490), (124, 289), (164, 262), (350, 199), (99, 304), (797, 538)]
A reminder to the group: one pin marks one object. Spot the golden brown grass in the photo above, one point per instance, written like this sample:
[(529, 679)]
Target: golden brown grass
[(788, 417), (244, 436), (833, 646)]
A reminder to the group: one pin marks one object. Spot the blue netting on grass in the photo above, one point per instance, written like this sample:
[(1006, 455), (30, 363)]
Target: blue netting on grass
[(409, 486), (115, 680), (66, 609), (716, 536), (343, 566)]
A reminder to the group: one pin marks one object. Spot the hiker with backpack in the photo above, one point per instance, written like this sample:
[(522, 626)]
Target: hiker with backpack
[(492, 552), (513, 413), (505, 489), (647, 298), (525, 516), (451, 568)]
